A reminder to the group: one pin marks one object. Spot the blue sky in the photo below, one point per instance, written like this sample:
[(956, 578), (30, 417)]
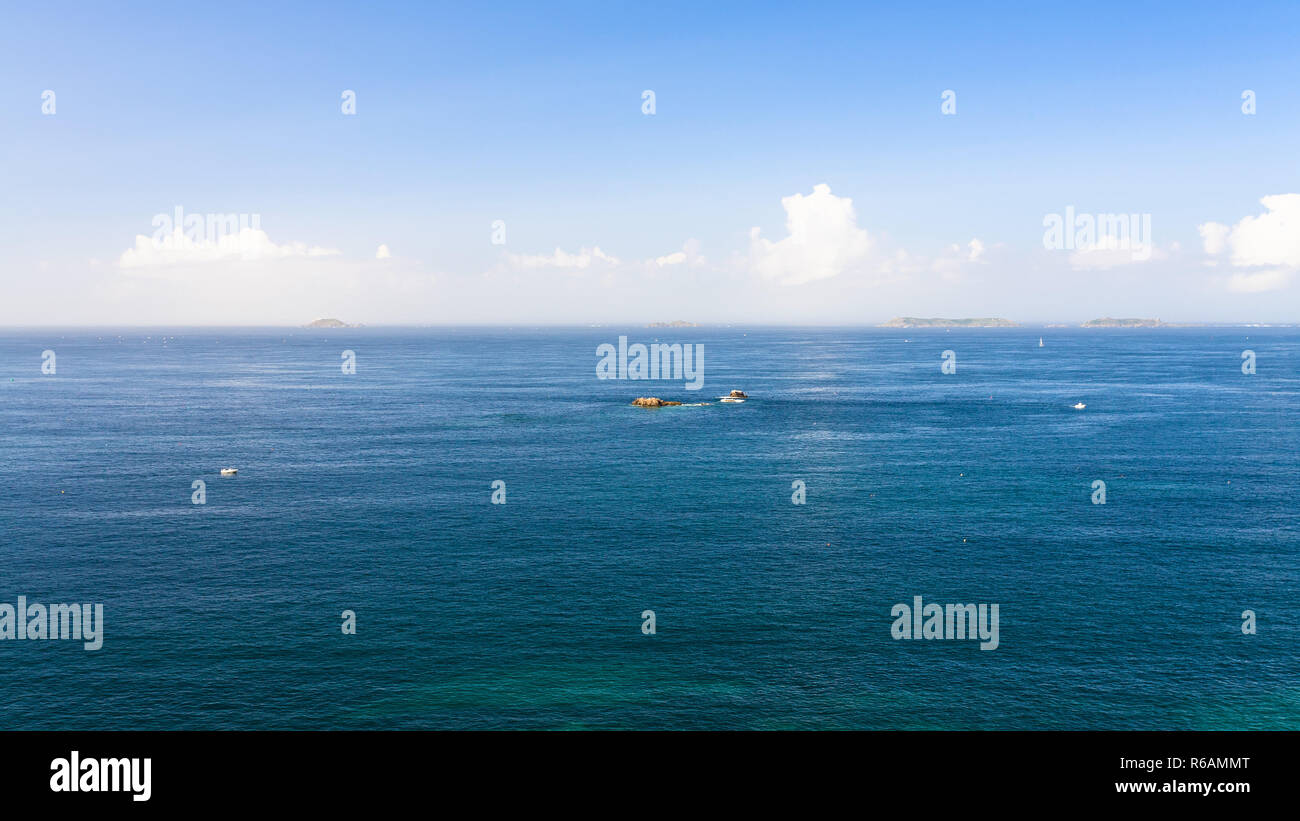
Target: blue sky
[(470, 114)]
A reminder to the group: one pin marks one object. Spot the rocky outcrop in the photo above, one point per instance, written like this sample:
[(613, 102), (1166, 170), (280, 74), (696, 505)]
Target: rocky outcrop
[(739, 395), (652, 402)]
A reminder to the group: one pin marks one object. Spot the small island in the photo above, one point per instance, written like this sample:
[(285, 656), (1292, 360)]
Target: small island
[(656, 402), (1110, 322), (676, 323), (330, 322), (935, 322), (652, 402)]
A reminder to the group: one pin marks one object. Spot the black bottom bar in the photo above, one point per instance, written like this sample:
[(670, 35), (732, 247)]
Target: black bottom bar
[(337, 769)]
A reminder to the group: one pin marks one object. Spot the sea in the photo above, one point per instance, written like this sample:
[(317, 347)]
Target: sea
[(474, 531)]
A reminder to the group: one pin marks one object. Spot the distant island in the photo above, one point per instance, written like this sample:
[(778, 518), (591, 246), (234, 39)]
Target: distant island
[(1110, 322), (676, 323), (330, 322), (979, 322)]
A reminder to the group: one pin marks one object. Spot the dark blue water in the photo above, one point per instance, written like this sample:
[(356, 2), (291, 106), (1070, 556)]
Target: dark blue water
[(371, 492)]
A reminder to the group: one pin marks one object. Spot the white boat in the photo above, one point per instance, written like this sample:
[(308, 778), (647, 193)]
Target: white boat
[(1078, 406), (229, 471), (1040, 342)]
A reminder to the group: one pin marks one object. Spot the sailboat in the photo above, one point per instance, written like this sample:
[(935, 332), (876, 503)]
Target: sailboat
[(1040, 342)]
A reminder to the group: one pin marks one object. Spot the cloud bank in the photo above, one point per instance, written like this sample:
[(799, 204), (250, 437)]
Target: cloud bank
[(1267, 245), (179, 248)]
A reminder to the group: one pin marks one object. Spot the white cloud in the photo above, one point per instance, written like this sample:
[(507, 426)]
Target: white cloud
[(954, 264), (823, 240), (1109, 251), (248, 244), (585, 258), (1214, 236), (689, 255), (1270, 239), (1273, 280), (382, 252)]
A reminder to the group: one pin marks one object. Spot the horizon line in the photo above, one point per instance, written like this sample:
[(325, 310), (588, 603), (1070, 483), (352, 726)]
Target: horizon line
[(1055, 324)]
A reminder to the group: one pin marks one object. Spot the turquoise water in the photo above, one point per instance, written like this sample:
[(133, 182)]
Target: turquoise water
[(371, 492)]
